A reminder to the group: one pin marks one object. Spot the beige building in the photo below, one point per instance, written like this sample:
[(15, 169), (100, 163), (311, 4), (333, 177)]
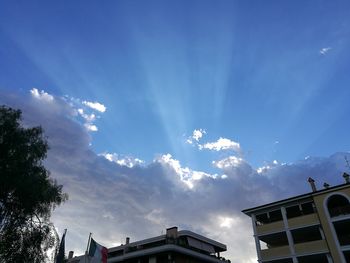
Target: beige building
[(309, 228)]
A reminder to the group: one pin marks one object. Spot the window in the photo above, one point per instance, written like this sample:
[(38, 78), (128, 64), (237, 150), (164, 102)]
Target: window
[(343, 231), (338, 205)]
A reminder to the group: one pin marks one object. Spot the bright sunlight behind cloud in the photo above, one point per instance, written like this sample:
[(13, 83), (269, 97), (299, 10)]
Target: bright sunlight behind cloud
[(113, 197)]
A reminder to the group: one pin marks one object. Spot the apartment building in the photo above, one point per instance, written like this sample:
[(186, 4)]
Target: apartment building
[(174, 247), (309, 228)]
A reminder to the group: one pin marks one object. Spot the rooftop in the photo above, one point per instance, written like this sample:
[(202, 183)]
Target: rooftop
[(250, 211), (182, 242)]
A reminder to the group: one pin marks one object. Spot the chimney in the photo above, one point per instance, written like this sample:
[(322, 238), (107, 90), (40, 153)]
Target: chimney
[(325, 185), (70, 254), (171, 232), (346, 177), (127, 241), (312, 184)]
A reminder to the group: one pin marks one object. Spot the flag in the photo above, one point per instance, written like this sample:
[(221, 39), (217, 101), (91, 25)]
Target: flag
[(60, 254), (97, 252)]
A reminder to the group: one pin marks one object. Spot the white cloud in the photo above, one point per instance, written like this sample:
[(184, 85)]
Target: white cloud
[(231, 161), (88, 117), (123, 160), (129, 162), (263, 169), (41, 95), (196, 136), (325, 50), (221, 144), (186, 175), (95, 105), (86, 111), (189, 141), (225, 221), (114, 201), (90, 127), (267, 167)]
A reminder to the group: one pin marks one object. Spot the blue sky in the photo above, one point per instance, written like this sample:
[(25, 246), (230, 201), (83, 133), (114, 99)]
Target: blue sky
[(270, 77), (251, 72)]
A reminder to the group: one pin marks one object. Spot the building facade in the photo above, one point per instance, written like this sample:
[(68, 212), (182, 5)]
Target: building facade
[(309, 228), (174, 247)]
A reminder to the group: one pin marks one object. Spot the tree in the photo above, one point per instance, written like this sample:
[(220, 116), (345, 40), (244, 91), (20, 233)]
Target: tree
[(27, 193)]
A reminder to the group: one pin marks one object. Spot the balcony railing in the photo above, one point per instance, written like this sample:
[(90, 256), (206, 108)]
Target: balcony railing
[(276, 252), (317, 246), (304, 220), (271, 227)]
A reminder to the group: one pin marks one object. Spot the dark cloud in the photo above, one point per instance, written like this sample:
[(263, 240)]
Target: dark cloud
[(115, 201)]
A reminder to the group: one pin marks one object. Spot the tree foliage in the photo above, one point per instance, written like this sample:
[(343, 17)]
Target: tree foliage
[(27, 193)]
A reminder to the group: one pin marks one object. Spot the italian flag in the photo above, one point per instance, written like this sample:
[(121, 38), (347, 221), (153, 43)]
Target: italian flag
[(97, 252)]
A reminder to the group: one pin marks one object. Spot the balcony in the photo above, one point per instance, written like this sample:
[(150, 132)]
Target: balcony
[(275, 252), (318, 246), (270, 227), (304, 220)]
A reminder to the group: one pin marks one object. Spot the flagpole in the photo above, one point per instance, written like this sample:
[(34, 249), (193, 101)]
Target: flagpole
[(60, 248), (64, 236), (87, 247)]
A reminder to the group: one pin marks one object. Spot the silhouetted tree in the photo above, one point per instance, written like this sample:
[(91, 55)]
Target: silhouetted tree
[(27, 193)]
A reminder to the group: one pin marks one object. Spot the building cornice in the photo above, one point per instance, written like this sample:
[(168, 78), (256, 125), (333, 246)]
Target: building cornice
[(162, 249), (306, 196)]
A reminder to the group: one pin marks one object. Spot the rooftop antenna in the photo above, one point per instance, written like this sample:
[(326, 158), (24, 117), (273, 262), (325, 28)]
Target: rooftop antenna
[(347, 162), (346, 175)]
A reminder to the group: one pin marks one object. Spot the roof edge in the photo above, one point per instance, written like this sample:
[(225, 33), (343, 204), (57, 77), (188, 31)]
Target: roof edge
[(249, 211)]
